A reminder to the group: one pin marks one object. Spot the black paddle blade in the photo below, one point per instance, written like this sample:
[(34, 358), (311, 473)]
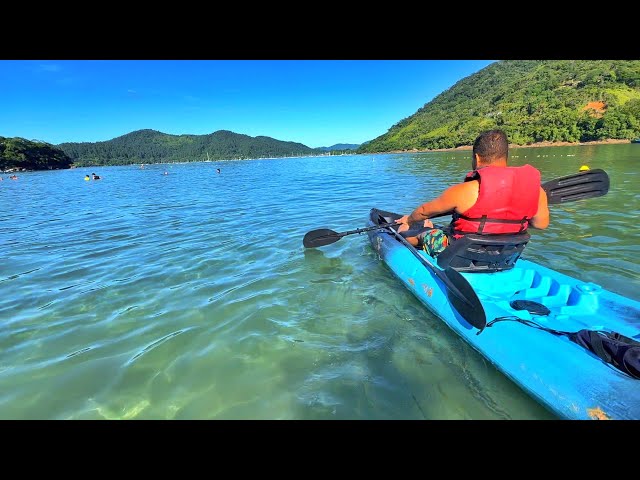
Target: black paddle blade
[(587, 184), (323, 236), (320, 237), (464, 299)]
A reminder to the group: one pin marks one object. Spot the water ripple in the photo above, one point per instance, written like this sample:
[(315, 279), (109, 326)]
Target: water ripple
[(190, 295)]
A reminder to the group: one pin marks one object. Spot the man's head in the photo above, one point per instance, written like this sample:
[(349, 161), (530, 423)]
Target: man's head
[(491, 147)]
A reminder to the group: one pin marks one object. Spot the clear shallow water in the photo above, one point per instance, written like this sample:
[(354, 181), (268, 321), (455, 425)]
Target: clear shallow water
[(190, 295)]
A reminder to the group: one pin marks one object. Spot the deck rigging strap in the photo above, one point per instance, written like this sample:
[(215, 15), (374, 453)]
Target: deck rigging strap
[(620, 351)]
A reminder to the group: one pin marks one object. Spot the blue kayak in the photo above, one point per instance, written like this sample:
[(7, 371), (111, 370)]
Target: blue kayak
[(516, 293)]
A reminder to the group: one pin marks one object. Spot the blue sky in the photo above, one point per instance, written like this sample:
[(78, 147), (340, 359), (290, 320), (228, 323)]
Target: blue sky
[(314, 102)]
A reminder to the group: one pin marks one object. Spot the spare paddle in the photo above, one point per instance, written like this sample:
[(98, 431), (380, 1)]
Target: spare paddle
[(459, 291), (324, 236), (581, 185)]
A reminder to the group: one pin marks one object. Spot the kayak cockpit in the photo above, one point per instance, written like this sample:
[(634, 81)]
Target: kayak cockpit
[(473, 253)]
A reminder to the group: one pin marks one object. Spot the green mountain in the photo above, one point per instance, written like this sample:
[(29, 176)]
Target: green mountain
[(151, 146), (532, 101), (339, 146), (19, 154)]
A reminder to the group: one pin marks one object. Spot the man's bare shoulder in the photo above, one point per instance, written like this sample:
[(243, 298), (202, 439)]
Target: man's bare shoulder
[(464, 188), (463, 195)]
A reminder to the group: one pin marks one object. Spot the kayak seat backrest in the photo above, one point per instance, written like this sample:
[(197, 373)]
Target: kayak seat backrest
[(483, 253)]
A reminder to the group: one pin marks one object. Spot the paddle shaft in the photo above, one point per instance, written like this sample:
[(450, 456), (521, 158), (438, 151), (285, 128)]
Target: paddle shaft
[(366, 229), (466, 304), (438, 272)]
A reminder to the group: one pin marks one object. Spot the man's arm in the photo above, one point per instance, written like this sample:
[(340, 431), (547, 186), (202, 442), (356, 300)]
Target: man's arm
[(541, 218), (444, 204)]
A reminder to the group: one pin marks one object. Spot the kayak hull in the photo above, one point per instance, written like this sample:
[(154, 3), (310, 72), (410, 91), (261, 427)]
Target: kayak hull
[(561, 375)]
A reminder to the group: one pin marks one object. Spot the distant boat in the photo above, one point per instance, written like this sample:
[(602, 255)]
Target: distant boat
[(635, 140)]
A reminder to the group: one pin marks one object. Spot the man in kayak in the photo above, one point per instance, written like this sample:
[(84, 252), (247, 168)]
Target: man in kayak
[(493, 199)]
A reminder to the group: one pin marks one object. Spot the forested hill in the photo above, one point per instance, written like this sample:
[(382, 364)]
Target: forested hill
[(339, 147), (151, 146), (532, 100), (17, 154)]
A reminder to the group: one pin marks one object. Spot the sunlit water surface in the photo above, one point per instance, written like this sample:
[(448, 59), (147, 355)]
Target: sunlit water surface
[(190, 295)]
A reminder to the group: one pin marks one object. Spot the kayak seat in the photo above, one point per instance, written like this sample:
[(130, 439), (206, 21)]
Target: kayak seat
[(483, 253)]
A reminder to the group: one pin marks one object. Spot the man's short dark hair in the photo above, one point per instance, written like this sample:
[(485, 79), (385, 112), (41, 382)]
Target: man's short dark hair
[(491, 145)]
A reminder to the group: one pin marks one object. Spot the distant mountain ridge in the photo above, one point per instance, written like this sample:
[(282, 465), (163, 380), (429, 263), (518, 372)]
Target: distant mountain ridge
[(152, 146), (339, 146), (531, 100)]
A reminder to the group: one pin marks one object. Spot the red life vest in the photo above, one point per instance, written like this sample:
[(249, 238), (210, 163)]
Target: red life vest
[(507, 200)]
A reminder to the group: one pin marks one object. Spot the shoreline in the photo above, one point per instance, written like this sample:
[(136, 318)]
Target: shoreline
[(611, 141), (413, 150)]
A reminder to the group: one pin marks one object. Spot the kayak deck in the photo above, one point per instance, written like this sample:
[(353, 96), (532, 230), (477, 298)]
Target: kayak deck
[(573, 304), (565, 377)]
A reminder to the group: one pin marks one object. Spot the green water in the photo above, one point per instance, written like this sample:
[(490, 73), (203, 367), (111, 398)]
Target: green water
[(190, 295)]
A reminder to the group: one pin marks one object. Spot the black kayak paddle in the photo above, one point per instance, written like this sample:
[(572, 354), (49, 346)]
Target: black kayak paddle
[(579, 186), (459, 291), (324, 236)]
